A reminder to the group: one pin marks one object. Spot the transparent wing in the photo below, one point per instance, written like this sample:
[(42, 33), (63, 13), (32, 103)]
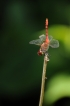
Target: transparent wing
[(42, 37), (50, 38), (36, 42), (54, 43)]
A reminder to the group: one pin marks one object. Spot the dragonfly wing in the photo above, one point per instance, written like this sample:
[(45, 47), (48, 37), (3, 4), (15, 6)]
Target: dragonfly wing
[(36, 42), (50, 37), (54, 43), (42, 37)]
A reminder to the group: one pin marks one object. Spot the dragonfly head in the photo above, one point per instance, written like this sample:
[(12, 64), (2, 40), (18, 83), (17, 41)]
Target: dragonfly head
[(40, 53)]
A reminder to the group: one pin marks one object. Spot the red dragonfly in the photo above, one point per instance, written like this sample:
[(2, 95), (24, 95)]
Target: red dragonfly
[(45, 41)]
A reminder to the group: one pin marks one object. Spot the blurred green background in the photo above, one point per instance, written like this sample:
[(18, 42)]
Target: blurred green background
[(20, 67)]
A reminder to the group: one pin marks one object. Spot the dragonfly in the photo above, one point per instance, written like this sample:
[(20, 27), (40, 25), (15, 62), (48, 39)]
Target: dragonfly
[(45, 42)]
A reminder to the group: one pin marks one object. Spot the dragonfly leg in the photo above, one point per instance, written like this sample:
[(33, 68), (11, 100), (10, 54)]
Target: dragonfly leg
[(46, 56)]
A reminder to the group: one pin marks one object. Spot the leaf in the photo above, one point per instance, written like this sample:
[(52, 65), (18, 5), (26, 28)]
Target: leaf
[(58, 87)]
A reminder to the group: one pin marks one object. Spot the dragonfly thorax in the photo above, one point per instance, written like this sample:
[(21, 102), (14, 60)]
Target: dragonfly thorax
[(44, 47)]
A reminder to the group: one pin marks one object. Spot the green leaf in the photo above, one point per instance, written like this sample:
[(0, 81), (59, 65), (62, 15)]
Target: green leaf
[(58, 87)]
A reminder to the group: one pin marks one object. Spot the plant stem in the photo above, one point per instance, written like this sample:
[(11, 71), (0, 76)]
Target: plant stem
[(43, 82)]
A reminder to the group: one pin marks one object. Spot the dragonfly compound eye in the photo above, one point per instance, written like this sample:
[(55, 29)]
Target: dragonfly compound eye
[(39, 53)]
